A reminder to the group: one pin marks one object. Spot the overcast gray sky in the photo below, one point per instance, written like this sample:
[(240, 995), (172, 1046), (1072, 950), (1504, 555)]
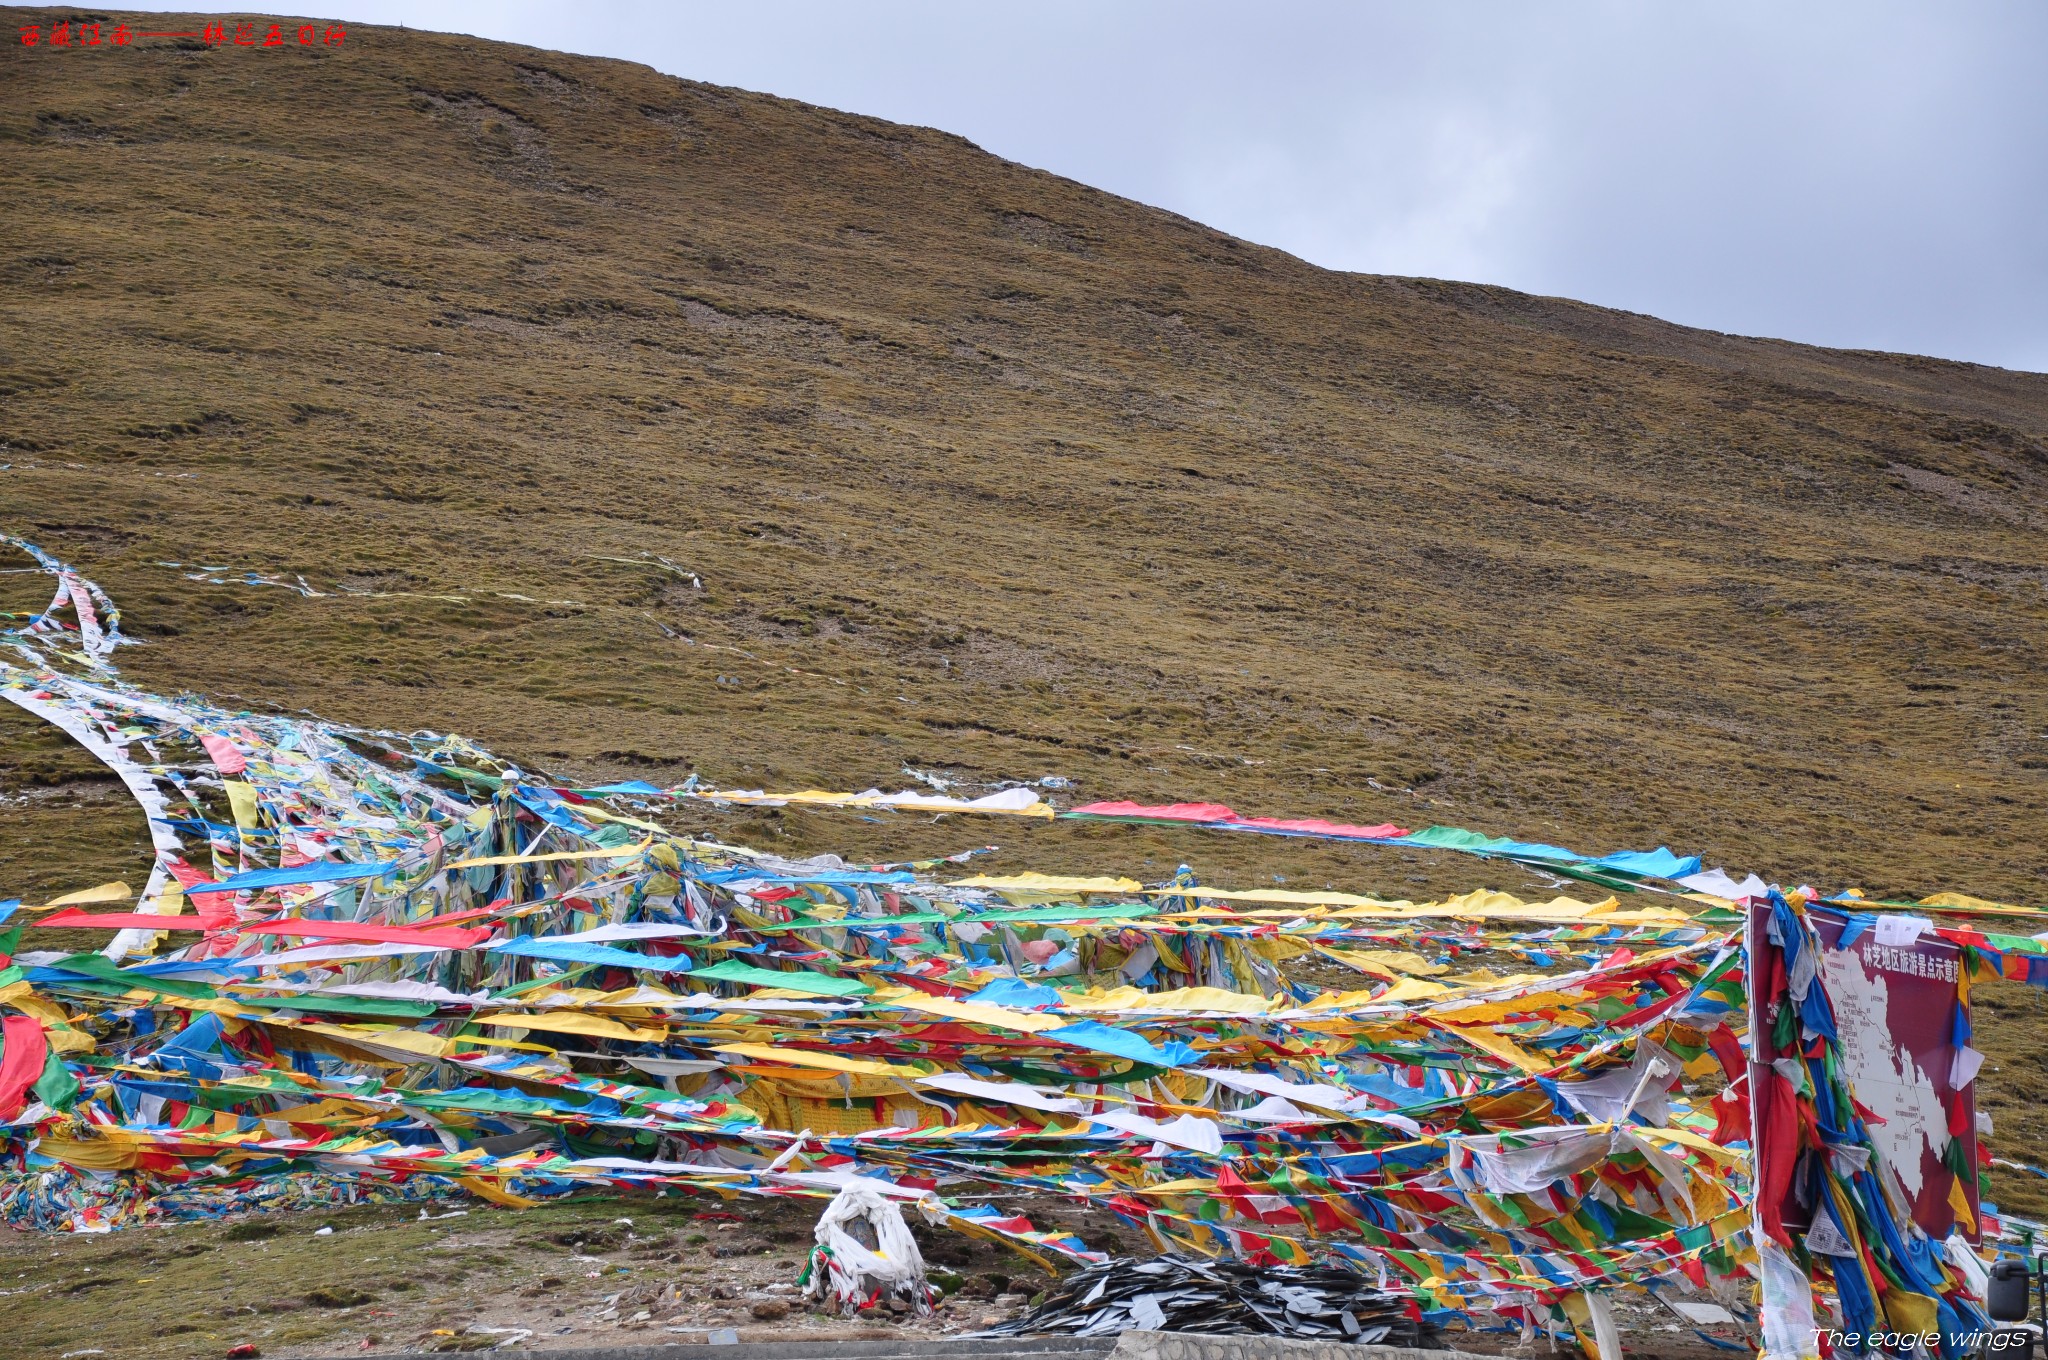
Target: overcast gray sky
[(1863, 174)]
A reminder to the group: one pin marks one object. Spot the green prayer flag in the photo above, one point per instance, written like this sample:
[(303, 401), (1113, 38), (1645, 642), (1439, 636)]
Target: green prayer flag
[(818, 984), (56, 1088)]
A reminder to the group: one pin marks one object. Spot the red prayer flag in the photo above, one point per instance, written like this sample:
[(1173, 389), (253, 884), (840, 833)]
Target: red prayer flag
[(1171, 812), (22, 1059), (364, 932), (72, 916)]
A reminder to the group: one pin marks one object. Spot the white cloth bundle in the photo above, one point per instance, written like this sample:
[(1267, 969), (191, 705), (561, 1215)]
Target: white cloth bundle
[(854, 1270)]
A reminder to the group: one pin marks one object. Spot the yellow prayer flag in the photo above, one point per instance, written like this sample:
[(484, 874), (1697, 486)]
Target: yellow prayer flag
[(105, 892), (798, 1057), (242, 798), (595, 1025), (1500, 1046), (496, 1193), (1029, 1022)]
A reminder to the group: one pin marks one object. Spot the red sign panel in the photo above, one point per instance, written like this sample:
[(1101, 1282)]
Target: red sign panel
[(1894, 991)]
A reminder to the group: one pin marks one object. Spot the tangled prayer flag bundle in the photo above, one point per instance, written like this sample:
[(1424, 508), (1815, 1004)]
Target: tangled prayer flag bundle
[(373, 966)]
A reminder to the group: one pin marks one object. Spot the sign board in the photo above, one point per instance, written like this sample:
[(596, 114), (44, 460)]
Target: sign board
[(1894, 993), (1895, 1000)]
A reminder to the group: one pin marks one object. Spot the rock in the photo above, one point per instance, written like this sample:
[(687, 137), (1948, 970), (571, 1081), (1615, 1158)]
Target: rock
[(724, 1291), (770, 1310)]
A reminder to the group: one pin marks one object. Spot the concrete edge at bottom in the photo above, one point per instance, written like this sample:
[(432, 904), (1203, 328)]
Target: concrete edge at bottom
[(1206, 1346)]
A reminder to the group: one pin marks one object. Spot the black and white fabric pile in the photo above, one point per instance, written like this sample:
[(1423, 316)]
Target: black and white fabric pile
[(1175, 1294)]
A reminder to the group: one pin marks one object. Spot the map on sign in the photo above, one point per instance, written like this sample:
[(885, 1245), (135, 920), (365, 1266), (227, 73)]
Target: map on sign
[(1894, 995)]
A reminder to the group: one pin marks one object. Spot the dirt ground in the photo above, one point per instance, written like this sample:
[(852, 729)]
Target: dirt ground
[(597, 1270), (587, 1272)]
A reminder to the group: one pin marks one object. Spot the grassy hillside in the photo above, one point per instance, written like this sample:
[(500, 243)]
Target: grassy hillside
[(980, 470)]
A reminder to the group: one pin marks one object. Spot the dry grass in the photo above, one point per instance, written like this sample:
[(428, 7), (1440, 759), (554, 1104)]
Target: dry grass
[(982, 470), (989, 471)]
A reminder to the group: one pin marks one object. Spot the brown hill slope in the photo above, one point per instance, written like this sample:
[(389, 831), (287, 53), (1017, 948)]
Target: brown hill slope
[(981, 469)]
